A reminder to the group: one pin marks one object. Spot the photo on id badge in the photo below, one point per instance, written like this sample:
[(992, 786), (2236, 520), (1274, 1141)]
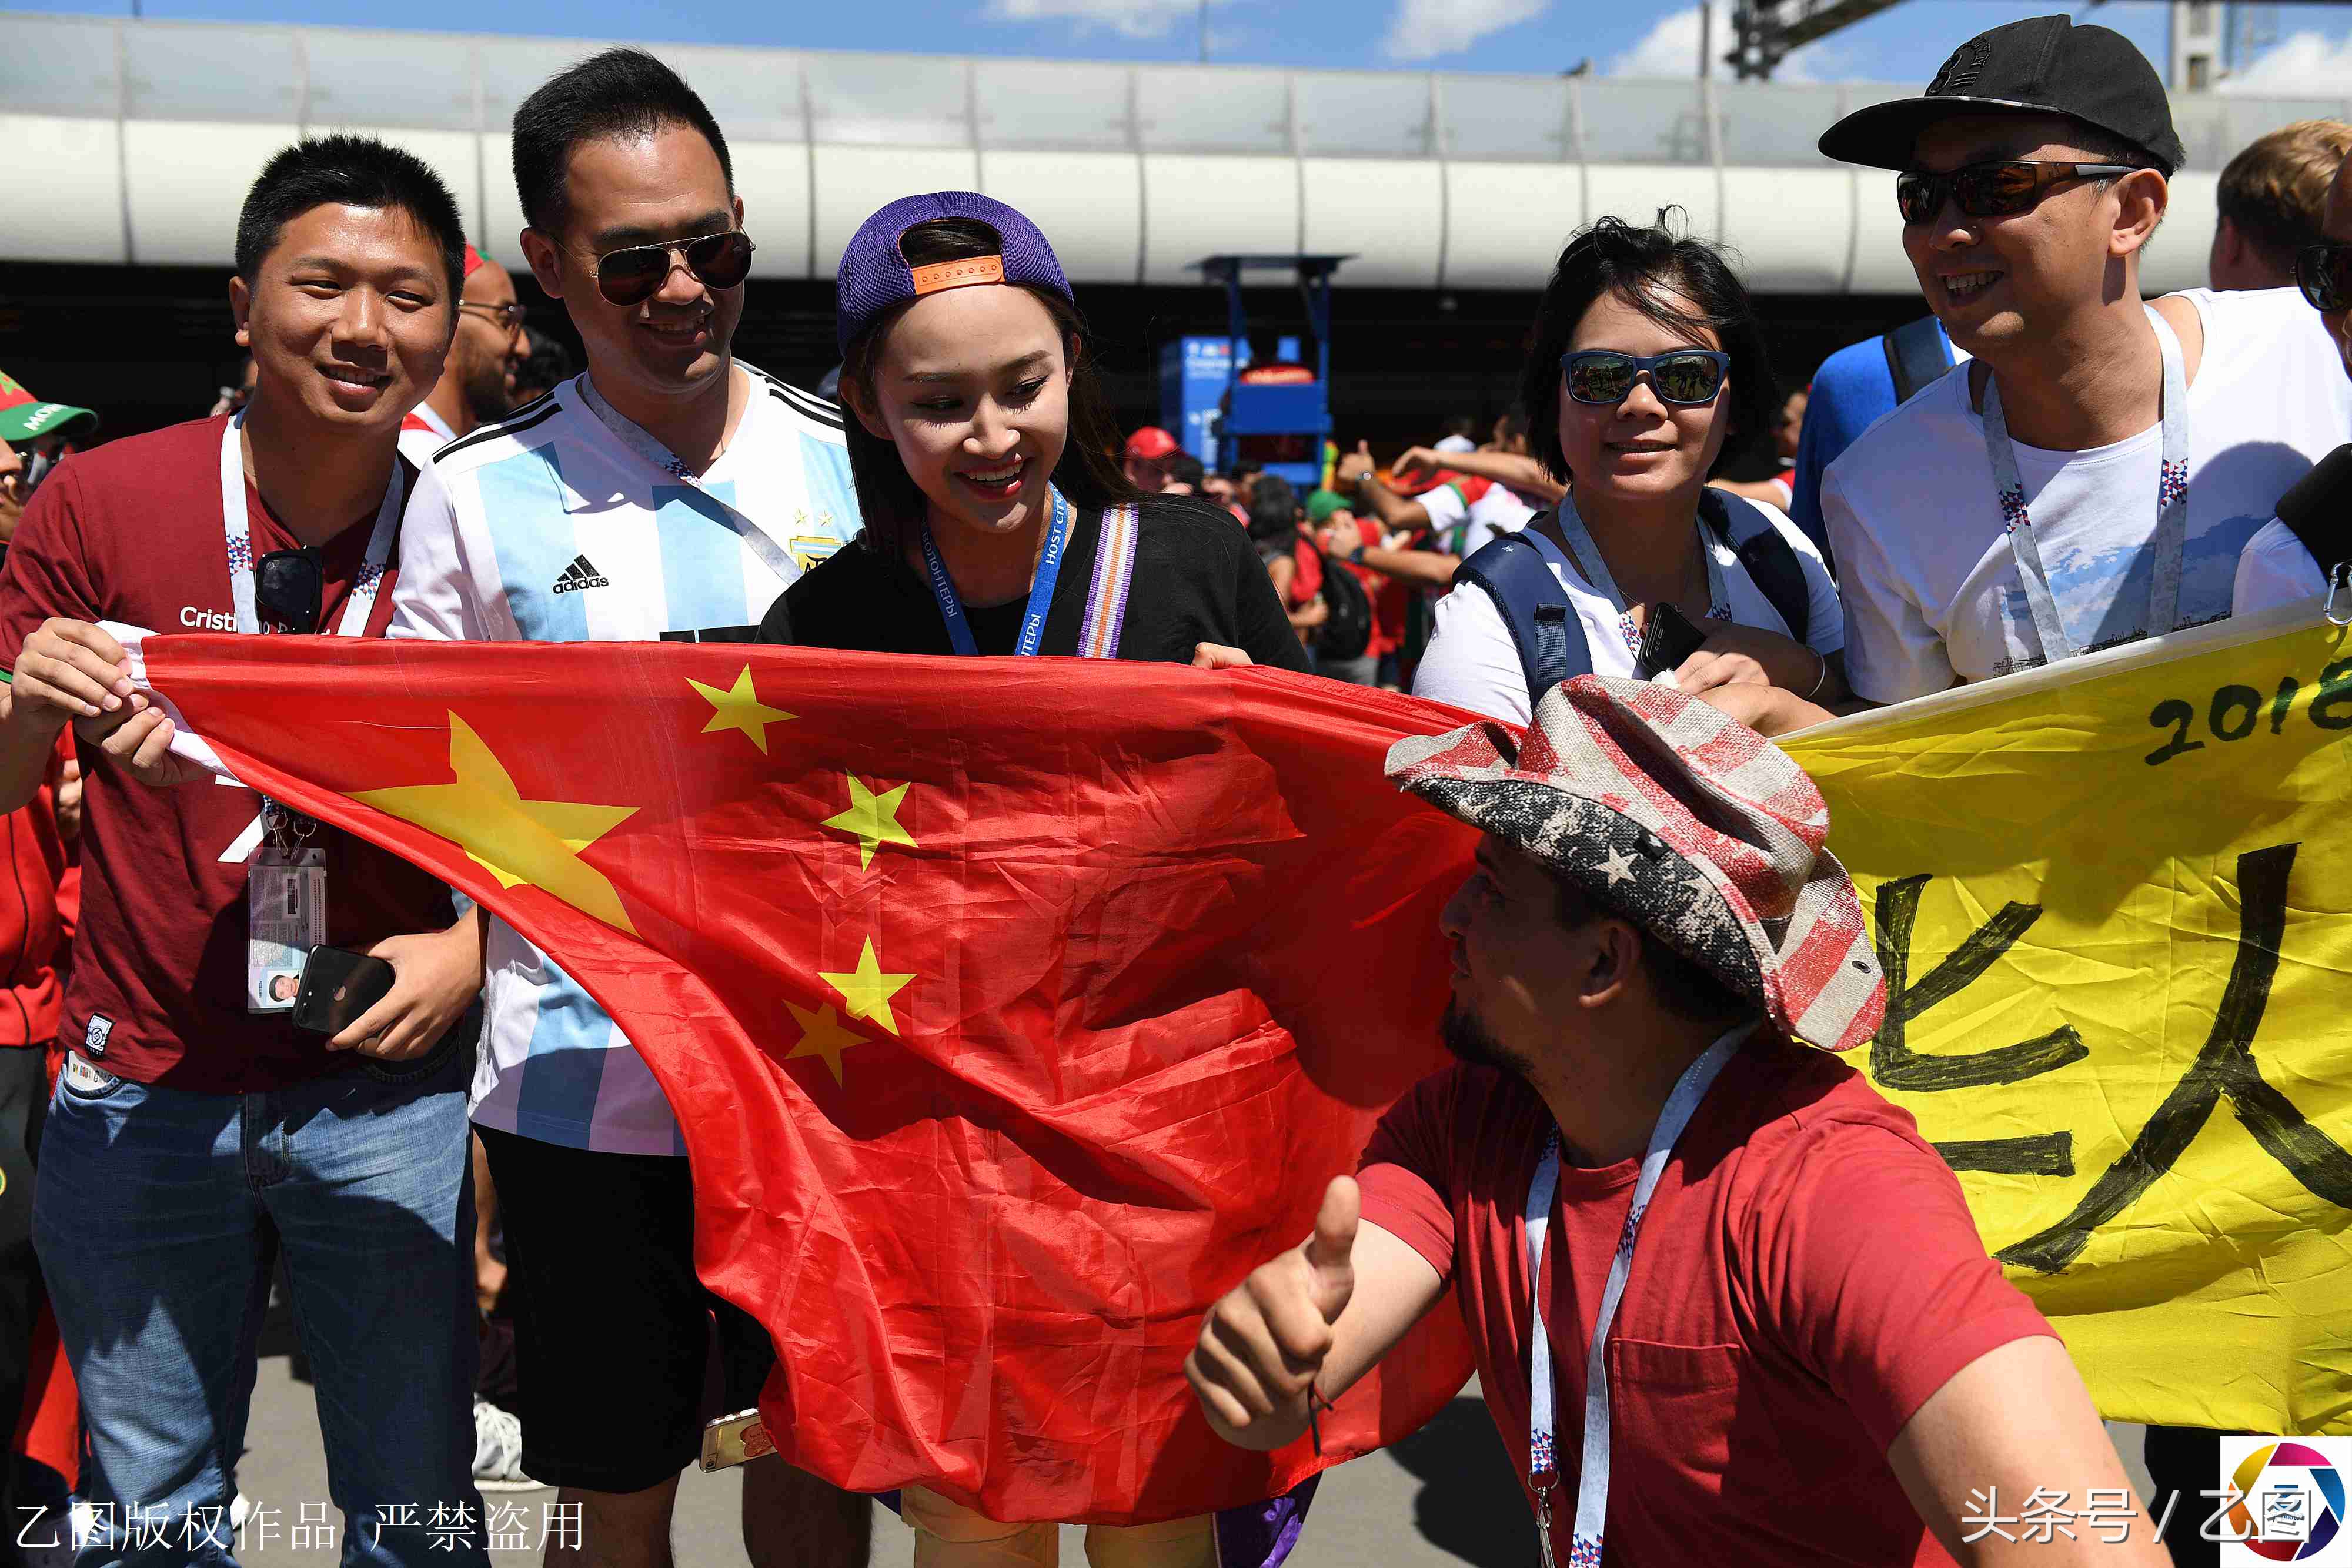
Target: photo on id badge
[(285, 913), (2284, 1502)]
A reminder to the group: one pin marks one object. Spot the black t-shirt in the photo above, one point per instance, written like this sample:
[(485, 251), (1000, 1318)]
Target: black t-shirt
[(1197, 579)]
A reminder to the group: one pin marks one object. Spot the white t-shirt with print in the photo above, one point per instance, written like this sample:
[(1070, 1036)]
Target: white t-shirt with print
[(2275, 570), (1932, 594), (1466, 527), (1473, 663)]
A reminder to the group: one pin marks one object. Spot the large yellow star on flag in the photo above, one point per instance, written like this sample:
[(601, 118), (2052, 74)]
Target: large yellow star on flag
[(865, 991), (739, 707), (518, 841), (822, 1036), (872, 820)]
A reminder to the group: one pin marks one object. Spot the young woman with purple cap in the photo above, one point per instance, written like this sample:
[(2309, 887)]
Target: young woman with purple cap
[(997, 520)]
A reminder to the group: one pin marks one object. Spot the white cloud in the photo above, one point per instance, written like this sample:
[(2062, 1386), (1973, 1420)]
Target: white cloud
[(1670, 49), (1423, 29), (2304, 64), (1129, 18)]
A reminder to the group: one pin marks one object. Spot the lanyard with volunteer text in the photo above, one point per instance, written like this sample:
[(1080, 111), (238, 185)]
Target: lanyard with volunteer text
[(238, 529), (1593, 1481), (1586, 555), (1041, 586), (2171, 507)]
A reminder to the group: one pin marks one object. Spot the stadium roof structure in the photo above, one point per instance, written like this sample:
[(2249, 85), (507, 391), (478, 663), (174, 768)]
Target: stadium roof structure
[(147, 133)]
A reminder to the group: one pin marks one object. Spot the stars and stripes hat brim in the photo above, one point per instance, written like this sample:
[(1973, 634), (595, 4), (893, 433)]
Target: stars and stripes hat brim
[(1685, 820)]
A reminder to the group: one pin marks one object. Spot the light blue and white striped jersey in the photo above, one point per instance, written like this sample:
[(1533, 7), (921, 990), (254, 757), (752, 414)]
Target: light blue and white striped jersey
[(565, 523)]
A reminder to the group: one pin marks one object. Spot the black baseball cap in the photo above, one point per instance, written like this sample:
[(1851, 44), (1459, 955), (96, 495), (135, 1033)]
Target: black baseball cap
[(2043, 65)]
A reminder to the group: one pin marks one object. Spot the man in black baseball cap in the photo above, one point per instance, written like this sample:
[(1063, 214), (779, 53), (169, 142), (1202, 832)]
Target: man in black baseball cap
[(2066, 492), (2043, 65)]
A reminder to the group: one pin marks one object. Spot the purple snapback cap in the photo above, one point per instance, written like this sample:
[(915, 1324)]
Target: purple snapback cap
[(875, 275)]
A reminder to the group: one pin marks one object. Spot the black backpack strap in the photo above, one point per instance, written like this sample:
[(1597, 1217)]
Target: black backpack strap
[(1770, 561), (1915, 356), (1544, 627), (2317, 509)]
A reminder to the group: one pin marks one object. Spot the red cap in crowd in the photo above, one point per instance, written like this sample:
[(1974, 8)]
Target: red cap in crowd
[(1151, 442)]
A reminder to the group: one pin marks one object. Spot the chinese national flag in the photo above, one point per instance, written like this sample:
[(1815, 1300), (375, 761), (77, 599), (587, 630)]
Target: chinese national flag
[(1013, 1009)]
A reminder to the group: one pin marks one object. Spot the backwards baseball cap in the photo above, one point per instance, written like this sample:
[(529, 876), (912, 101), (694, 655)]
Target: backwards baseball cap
[(876, 275), (1151, 442), (2043, 65), (1684, 821), (24, 416)]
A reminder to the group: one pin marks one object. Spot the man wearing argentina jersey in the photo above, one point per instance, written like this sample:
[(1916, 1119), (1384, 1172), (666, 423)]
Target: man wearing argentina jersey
[(668, 492), (563, 526)]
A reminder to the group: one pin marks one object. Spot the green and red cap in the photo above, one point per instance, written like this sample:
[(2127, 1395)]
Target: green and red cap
[(24, 417)]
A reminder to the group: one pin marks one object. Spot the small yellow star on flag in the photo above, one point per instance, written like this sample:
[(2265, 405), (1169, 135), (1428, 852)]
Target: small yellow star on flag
[(518, 841), (872, 820), (822, 1036), (865, 991), (739, 707)]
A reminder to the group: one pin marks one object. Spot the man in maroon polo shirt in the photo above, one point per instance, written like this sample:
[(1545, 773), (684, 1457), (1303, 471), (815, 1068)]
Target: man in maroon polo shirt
[(1806, 1356), (194, 1130)]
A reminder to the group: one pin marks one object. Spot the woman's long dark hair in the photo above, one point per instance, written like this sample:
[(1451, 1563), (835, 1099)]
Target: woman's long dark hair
[(1648, 267), (891, 501)]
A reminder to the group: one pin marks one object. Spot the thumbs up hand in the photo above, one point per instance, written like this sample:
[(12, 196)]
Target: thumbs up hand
[(1264, 1343), (1330, 1254)]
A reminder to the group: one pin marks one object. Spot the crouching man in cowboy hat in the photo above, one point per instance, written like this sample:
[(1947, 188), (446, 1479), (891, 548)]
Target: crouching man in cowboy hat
[(1728, 1306)]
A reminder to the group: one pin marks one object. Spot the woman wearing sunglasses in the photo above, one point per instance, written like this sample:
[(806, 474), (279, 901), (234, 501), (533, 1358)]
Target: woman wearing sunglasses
[(1648, 360), (997, 521)]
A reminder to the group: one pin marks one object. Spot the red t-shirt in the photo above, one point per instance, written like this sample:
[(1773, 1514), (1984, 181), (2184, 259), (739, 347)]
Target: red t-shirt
[(131, 532), (1806, 1276)]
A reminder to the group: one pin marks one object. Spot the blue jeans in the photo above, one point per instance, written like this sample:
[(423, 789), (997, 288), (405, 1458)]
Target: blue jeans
[(155, 1216)]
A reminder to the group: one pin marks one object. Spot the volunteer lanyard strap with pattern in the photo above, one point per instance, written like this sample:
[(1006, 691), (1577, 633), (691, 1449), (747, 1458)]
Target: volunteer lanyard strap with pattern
[(1593, 1481), (634, 436), (2171, 507), (237, 527), (1041, 586), (1586, 557)]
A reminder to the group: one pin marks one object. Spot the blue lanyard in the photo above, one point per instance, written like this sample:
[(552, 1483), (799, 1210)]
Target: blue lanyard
[(1041, 587)]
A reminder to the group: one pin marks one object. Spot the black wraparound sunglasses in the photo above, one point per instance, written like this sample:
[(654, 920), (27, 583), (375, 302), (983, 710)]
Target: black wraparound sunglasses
[(290, 590), (1687, 377), (635, 274), (2324, 273), (1996, 190)]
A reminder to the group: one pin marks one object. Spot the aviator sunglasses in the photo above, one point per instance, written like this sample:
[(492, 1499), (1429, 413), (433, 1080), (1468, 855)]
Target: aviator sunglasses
[(635, 274), (1687, 377), (2324, 273), (1997, 190)]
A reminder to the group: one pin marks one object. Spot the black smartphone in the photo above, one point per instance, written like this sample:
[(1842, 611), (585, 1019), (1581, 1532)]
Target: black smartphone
[(1667, 639), (338, 985)]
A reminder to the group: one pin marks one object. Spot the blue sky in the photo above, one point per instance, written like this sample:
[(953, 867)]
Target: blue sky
[(2306, 48)]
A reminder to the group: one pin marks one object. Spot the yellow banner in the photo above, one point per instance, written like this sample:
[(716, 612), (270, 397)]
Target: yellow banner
[(2114, 900)]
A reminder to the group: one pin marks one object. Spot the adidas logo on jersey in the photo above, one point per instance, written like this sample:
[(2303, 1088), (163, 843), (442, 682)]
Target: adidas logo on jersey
[(580, 575)]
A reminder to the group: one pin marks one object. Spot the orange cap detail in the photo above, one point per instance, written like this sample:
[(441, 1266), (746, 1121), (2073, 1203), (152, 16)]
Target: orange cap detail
[(958, 274)]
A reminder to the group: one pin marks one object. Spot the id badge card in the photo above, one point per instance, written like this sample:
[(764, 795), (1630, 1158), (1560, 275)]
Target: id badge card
[(286, 916)]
